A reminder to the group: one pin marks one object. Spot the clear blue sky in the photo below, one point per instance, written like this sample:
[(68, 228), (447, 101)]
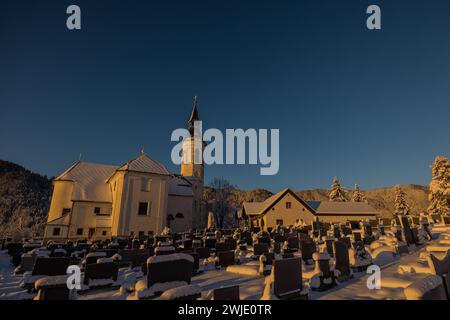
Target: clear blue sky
[(368, 107)]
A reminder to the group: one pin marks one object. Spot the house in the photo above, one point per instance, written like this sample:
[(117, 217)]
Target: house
[(140, 197), (286, 208)]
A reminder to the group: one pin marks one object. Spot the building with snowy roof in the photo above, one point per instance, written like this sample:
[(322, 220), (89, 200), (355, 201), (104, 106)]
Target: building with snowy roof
[(98, 201), (286, 208)]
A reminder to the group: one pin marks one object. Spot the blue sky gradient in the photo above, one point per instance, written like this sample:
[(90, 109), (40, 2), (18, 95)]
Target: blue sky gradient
[(371, 107)]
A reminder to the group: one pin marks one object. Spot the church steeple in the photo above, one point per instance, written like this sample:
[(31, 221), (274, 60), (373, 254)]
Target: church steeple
[(194, 117)]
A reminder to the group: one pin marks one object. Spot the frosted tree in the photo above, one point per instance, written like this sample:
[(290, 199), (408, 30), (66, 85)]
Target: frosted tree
[(337, 194), (401, 206), (440, 186), (357, 195)]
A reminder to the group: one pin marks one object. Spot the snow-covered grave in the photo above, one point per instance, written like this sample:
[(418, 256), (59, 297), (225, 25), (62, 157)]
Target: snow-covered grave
[(297, 264)]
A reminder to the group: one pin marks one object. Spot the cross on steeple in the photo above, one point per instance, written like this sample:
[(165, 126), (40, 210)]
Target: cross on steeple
[(194, 116)]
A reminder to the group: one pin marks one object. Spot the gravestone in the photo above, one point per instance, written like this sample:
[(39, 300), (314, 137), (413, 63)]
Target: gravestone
[(227, 293), (342, 260), (407, 235), (287, 277)]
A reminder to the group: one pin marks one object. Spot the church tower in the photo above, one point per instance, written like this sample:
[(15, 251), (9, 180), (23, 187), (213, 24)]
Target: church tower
[(192, 165)]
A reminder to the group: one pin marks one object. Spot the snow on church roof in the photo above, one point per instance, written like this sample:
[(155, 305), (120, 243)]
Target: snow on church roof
[(89, 181), (145, 164)]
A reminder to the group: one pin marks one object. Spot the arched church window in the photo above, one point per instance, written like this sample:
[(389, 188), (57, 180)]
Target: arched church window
[(179, 215)]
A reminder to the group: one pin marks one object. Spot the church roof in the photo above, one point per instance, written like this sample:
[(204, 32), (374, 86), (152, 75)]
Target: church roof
[(145, 164), (179, 186), (89, 181)]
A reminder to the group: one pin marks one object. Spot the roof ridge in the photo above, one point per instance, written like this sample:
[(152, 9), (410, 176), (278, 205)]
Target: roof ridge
[(68, 170)]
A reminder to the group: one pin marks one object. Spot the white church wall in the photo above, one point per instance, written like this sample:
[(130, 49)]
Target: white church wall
[(180, 205)]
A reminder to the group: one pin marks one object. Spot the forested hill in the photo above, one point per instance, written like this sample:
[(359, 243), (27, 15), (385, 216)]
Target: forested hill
[(24, 200)]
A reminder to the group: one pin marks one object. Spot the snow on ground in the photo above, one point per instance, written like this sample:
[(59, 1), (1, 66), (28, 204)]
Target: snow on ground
[(9, 283), (251, 286)]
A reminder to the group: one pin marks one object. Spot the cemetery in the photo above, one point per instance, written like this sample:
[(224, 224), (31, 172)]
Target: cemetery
[(304, 262)]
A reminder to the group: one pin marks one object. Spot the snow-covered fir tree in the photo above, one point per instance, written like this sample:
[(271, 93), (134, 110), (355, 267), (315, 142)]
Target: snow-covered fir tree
[(357, 195), (401, 206), (440, 186), (337, 194)]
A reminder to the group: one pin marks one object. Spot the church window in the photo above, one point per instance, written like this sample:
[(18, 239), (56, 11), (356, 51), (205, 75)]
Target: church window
[(97, 210), (56, 231), (143, 209), (179, 215), (288, 205), (145, 184), (104, 233)]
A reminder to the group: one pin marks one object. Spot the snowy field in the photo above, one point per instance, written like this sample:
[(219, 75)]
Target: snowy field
[(251, 284)]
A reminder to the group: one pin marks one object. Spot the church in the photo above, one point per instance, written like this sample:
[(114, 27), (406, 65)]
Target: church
[(141, 197)]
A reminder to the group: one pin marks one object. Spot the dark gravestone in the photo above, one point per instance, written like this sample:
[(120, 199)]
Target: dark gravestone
[(138, 259), (415, 234), (222, 246), (315, 228), (336, 232), (210, 243), (346, 230), (347, 241), (446, 219), (227, 293), (196, 264), (54, 293), (329, 246), (14, 248), (277, 247), (50, 266), (187, 244), (264, 239), (307, 250), (287, 277), (232, 243), (357, 236), (354, 225), (95, 271), (407, 235), (203, 253), (293, 243), (368, 230), (160, 270), (327, 279), (279, 238), (226, 258), (342, 260), (260, 248)]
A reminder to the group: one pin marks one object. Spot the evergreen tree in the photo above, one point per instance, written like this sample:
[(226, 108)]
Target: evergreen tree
[(440, 186), (357, 195), (337, 194), (401, 206)]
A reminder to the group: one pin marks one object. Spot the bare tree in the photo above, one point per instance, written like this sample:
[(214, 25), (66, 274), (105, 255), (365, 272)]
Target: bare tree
[(221, 199)]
